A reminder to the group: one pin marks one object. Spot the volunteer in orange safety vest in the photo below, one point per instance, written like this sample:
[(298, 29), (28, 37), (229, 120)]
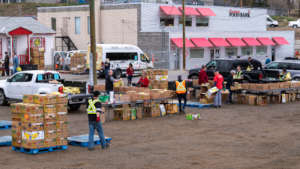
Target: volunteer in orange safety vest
[(181, 92)]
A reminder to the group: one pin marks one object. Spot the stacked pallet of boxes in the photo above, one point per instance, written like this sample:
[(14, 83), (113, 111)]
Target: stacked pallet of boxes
[(77, 64), (268, 93), (40, 122), (38, 57), (158, 78)]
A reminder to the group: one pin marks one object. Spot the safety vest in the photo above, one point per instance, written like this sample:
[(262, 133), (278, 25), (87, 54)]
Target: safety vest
[(180, 87), (238, 75), (285, 77), (92, 108)]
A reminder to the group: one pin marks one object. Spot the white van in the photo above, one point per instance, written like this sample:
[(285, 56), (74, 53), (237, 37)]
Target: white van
[(271, 22), (120, 56)]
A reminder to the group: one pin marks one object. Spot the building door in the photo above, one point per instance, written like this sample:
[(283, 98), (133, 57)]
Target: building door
[(273, 54), (214, 53)]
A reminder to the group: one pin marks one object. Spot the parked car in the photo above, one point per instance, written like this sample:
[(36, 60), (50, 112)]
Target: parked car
[(294, 24), (224, 66), (292, 66), (40, 82), (271, 22)]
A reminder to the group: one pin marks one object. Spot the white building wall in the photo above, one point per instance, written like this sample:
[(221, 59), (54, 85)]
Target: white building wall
[(282, 51), (150, 20)]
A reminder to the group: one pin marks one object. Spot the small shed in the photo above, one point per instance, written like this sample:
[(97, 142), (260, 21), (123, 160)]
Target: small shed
[(19, 34)]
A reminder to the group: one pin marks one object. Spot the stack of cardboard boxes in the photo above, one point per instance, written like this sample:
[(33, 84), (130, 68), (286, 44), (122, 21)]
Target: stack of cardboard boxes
[(158, 78), (38, 57), (40, 121), (78, 62)]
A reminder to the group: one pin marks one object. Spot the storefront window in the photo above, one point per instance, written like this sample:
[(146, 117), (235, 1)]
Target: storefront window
[(230, 52), (197, 53), (201, 22), (247, 51), (188, 21), (77, 25), (261, 50), (53, 23), (166, 21)]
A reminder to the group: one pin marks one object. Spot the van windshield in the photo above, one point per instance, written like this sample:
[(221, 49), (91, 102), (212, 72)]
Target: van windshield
[(122, 56)]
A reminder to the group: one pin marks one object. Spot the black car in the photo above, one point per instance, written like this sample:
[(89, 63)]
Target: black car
[(224, 66)]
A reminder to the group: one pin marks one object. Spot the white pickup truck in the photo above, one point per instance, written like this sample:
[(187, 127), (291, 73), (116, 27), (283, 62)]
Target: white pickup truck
[(294, 24), (39, 82)]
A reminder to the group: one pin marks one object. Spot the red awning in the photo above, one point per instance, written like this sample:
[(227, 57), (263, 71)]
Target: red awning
[(170, 10), (280, 41), (236, 42), (251, 42), (20, 31), (266, 41), (219, 42), (201, 42), (189, 11), (206, 12), (179, 42)]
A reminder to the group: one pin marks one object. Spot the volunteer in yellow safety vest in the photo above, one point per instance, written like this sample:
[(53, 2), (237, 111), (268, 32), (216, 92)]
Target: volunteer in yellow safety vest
[(239, 74), (181, 92), (285, 76), (93, 111)]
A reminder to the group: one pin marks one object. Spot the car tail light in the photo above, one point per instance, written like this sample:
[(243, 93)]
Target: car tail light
[(260, 76), (61, 89), (90, 89)]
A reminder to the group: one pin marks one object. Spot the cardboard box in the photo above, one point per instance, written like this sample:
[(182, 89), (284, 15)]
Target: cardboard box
[(61, 108), (33, 118), (251, 99), (62, 125), (44, 99), (155, 110), (62, 99), (50, 134), (133, 114), (61, 116), (32, 144), (139, 112), (16, 107), (61, 141), (262, 100), (50, 109), (172, 108), (49, 142), (49, 126), (29, 126), (28, 98), (62, 133)]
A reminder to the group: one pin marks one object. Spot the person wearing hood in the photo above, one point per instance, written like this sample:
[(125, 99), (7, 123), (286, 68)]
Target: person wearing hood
[(181, 93)]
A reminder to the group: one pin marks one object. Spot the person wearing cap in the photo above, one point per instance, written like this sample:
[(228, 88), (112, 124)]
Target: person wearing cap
[(94, 110), (285, 75), (181, 92), (230, 83)]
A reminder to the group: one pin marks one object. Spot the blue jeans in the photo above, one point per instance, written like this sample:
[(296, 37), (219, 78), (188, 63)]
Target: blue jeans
[(218, 98), (98, 126)]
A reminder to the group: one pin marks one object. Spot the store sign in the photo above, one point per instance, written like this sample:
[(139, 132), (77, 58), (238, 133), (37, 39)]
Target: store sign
[(237, 13)]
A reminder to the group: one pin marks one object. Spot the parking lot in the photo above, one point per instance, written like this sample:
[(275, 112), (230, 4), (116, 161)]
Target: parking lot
[(234, 137)]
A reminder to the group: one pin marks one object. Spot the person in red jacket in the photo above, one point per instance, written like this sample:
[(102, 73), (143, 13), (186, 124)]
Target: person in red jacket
[(218, 80), (129, 72), (144, 81), (203, 78)]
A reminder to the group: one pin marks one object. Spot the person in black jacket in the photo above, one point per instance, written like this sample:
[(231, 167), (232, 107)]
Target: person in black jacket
[(230, 82), (94, 110), (6, 64), (109, 85)]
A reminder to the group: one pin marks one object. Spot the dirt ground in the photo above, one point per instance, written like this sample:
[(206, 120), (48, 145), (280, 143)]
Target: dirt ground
[(234, 137)]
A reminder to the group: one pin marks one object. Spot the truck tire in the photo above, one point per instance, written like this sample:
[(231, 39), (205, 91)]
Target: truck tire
[(3, 100), (295, 26), (74, 107), (118, 74)]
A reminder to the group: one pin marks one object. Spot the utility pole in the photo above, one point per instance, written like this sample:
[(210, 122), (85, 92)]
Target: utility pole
[(183, 35), (93, 43)]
